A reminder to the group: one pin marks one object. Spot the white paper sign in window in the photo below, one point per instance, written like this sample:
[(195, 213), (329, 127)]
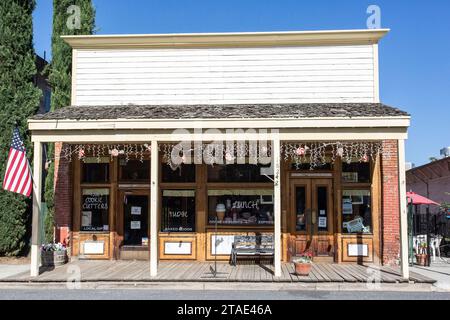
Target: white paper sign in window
[(135, 225), (322, 222), (136, 210)]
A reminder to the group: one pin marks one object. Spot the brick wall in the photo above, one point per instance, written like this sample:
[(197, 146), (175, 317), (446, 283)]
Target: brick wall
[(63, 196), (390, 218)]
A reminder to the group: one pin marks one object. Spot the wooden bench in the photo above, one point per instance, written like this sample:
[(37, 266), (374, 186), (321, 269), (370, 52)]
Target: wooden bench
[(258, 245)]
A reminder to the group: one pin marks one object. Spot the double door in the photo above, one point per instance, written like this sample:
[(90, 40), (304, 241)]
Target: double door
[(311, 217)]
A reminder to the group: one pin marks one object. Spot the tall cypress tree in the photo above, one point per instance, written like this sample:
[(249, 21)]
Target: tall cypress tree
[(19, 99), (65, 22)]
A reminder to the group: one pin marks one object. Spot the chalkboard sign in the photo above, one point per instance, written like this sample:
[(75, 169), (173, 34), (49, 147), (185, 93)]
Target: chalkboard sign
[(95, 210)]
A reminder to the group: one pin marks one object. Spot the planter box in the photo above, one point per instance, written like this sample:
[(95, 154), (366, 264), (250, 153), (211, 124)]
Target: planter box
[(53, 258)]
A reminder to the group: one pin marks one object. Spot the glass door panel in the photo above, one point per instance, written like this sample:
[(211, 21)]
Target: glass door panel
[(322, 208), (300, 211), (135, 214)]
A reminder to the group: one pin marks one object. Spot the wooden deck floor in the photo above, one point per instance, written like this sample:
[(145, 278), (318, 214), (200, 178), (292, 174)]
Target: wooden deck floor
[(136, 271)]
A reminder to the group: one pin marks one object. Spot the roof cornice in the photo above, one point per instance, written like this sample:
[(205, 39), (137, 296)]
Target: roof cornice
[(402, 122), (241, 39)]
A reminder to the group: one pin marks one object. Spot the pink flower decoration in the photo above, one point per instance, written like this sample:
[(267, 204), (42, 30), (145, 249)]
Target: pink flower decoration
[(300, 151), (81, 153), (114, 152)]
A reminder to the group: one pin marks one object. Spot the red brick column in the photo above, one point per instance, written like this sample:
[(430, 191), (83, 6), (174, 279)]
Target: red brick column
[(390, 217), (63, 196)]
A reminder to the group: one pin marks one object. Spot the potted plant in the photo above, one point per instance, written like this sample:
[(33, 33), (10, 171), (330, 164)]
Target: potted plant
[(303, 263), (53, 254), (421, 255)]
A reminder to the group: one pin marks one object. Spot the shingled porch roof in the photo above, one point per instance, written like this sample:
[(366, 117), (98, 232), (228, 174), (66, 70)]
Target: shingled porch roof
[(234, 111)]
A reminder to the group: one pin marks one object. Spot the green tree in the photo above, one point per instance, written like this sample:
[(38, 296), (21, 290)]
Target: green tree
[(19, 99), (70, 17)]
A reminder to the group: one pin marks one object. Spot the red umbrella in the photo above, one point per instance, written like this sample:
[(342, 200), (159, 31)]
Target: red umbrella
[(417, 199)]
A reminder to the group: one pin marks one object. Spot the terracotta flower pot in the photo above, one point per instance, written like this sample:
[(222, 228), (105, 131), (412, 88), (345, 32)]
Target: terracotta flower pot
[(422, 259), (302, 269)]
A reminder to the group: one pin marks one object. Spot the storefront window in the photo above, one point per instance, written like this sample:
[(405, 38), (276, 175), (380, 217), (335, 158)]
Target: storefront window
[(240, 207), (237, 173), (184, 173), (356, 172), (95, 209), (134, 170), (95, 170), (178, 211), (356, 211)]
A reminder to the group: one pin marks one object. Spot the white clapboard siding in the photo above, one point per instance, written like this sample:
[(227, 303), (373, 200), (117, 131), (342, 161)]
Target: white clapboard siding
[(225, 75)]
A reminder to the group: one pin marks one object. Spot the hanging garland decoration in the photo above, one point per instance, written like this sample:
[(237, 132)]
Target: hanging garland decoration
[(99, 151), (225, 153), (313, 153), (319, 153)]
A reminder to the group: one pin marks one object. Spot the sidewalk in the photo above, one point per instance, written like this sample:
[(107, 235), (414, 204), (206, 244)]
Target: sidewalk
[(10, 270), (439, 270)]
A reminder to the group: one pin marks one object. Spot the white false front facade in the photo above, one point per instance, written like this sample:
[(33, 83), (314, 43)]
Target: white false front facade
[(226, 75)]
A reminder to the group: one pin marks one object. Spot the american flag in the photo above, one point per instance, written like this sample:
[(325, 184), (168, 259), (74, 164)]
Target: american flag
[(18, 172)]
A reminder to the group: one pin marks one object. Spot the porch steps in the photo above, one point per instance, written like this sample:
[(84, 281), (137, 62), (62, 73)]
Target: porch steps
[(323, 259), (134, 253)]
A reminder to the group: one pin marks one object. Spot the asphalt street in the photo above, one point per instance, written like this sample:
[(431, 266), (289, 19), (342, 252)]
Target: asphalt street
[(151, 294)]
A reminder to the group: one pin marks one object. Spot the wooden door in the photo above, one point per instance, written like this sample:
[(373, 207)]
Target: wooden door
[(311, 218)]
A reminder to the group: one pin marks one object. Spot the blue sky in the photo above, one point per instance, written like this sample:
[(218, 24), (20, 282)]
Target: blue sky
[(414, 56)]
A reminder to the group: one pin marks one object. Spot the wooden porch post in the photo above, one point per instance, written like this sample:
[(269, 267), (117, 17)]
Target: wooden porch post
[(403, 212), (277, 205), (36, 228), (154, 196)]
